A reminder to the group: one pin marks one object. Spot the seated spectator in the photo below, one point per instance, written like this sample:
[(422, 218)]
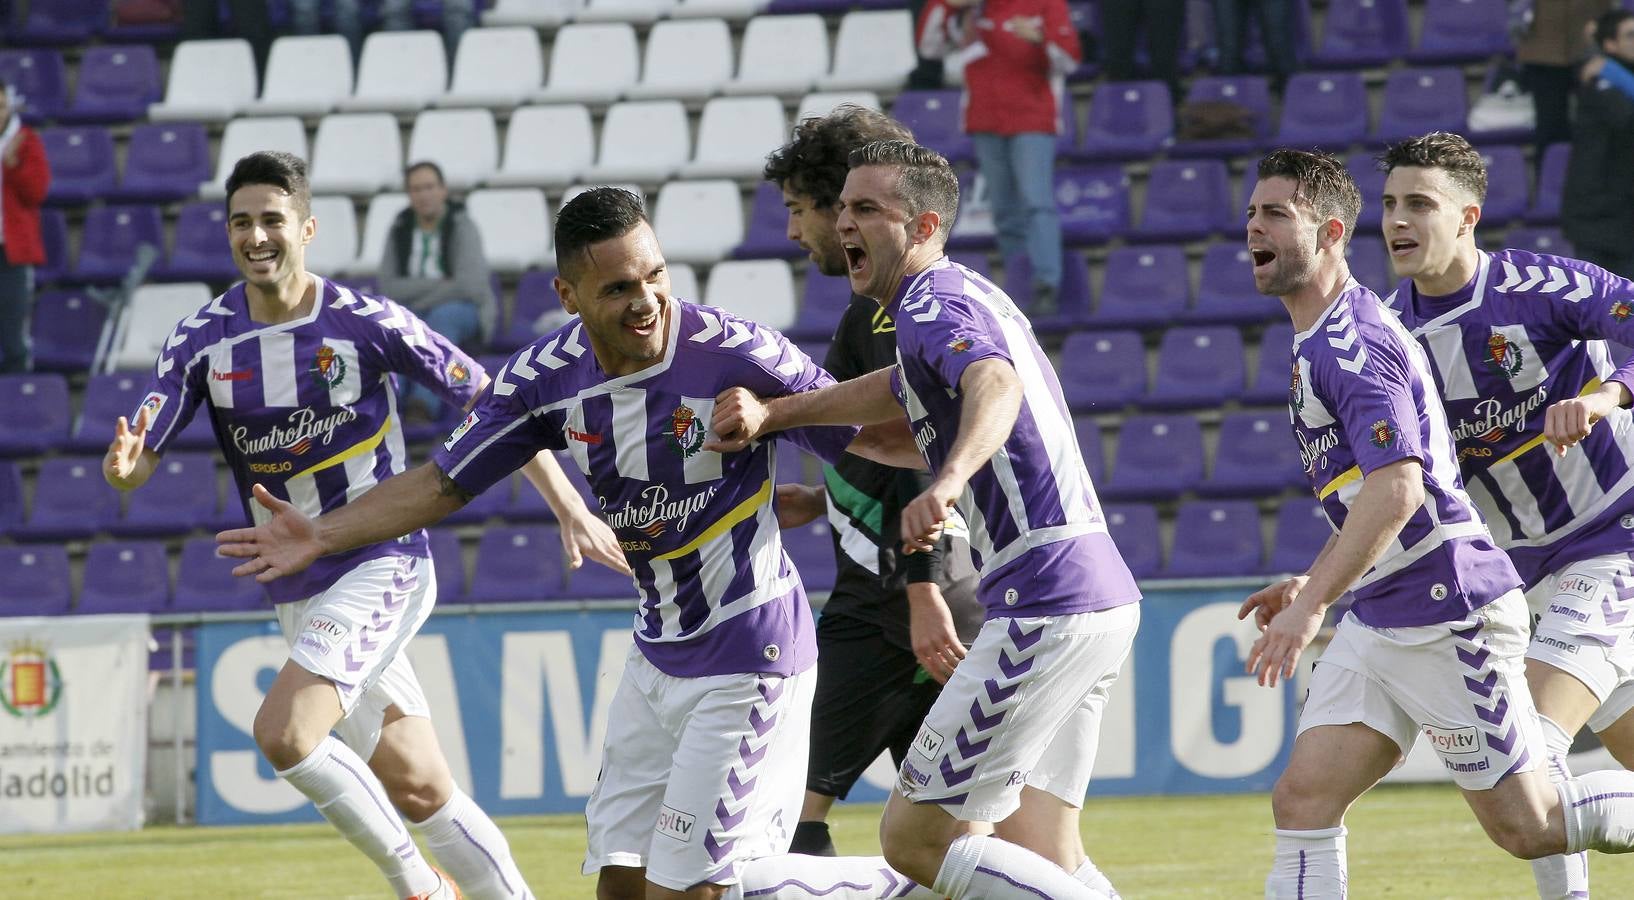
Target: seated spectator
[(433, 264), (1597, 203)]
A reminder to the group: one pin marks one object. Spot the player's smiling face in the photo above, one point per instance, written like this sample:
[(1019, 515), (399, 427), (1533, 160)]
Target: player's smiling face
[(875, 231), (813, 228), (1424, 213), (620, 291), (268, 234), (1282, 238)]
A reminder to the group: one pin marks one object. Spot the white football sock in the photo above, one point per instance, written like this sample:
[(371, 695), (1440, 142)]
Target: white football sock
[(983, 866), (472, 849), (1309, 865), (1564, 876), (1095, 878), (797, 876), (1599, 809), (353, 800)]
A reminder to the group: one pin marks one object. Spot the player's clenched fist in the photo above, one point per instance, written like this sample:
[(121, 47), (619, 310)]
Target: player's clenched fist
[(739, 418), (1569, 421), (922, 519)]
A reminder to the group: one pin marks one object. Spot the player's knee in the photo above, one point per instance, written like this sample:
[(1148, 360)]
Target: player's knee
[(281, 739), (1299, 804), (914, 852), (621, 883), (1525, 839), (416, 792)]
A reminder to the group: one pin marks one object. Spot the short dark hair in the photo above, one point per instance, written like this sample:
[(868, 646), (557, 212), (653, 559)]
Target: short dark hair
[(814, 163), (599, 214), (425, 164), (1606, 27), (284, 171), (1443, 150), (927, 183), (1320, 182)]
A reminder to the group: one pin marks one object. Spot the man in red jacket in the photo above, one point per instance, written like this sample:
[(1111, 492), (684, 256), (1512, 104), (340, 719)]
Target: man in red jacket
[(24, 176), (1016, 53)]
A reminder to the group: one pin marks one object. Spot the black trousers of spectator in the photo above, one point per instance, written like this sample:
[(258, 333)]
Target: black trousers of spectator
[(1276, 21), (927, 76), (1551, 88), (1617, 262), (201, 19), (16, 302), (1163, 22)]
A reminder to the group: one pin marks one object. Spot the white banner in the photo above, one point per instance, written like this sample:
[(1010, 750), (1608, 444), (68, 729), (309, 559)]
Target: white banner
[(73, 722)]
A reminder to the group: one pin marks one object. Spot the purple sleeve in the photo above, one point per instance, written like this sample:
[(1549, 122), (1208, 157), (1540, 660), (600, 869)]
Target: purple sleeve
[(497, 437), (1606, 314), (790, 371), (172, 397), (411, 348), (1374, 404), (948, 334)]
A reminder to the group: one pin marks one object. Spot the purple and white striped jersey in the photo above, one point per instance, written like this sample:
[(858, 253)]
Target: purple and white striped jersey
[(1527, 331), (719, 595), (1361, 398), (1036, 529), (305, 408)]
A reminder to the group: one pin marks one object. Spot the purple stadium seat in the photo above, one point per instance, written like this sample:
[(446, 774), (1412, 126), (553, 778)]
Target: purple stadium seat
[(449, 563), (1128, 120), (1226, 292), (1325, 110), (1088, 434), (526, 504), (811, 548), (134, 20), (1144, 287), (1551, 181), (107, 397), (594, 581), (1538, 240), (1506, 178), (1215, 539), (182, 495), (1362, 33), (1134, 529), (111, 236), (202, 251), (125, 576), (65, 329), (1256, 456), (37, 410), (1158, 457), (1301, 531), (34, 580), (934, 119), (766, 236), (204, 581), (1252, 92), (82, 164), (1417, 101), (60, 22), (165, 162), (1370, 181), (41, 81), (54, 235), (1369, 265), (1093, 202), (1072, 302), (1274, 375), (11, 497), (822, 302), (486, 505), (1197, 367), (1461, 31), (71, 501), (116, 83), (1102, 371), (1186, 200), (535, 296), (518, 564)]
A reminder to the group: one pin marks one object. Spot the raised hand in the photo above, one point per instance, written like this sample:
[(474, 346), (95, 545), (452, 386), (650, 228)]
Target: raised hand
[(283, 545)]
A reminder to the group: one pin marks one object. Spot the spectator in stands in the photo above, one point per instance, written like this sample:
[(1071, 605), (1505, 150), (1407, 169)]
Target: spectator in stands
[(1276, 18), (1550, 43), (1597, 204), (24, 175), (1162, 21), (247, 19), (395, 15), (1017, 52), (433, 264)]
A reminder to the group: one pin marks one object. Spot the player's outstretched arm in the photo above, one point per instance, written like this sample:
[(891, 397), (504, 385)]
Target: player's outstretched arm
[(740, 417), (1569, 421), (583, 532), (290, 541), (128, 464), (992, 400)]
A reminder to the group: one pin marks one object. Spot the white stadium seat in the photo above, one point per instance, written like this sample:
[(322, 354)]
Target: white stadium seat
[(148, 320), (699, 222), (242, 137), (822, 103), (464, 143), (683, 281), (873, 52), (685, 61), (734, 136), (531, 13), (210, 81), (640, 12), (335, 246), (782, 55), (732, 10), (495, 67), (757, 289), (401, 71), (357, 153), (578, 189), (591, 64), (306, 76), (516, 228), (546, 145), (383, 209), (644, 141)]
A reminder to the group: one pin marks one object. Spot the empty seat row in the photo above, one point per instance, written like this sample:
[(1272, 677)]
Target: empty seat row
[(1218, 539), (1161, 456)]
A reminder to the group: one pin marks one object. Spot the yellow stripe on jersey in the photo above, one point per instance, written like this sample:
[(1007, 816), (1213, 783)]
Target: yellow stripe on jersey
[(366, 445), (740, 512), (1591, 387), (1339, 481)]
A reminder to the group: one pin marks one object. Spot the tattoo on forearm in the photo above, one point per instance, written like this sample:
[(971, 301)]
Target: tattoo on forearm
[(448, 488)]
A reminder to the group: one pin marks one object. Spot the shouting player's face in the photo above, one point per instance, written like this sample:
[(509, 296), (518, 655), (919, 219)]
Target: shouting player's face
[(813, 228), (268, 235), (620, 290), (876, 232), (1282, 238), (1425, 215)]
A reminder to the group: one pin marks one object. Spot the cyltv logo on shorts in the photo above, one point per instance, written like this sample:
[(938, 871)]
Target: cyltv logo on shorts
[(675, 824), (1453, 740)]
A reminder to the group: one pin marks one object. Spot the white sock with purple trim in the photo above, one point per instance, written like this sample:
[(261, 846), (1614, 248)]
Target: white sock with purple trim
[(474, 851), (1309, 865), (1599, 809), (1564, 876), (1095, 878), (983, 866), (340, 784), (796, 876)]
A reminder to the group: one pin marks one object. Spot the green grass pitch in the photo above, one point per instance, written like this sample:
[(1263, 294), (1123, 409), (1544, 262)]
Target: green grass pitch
[(1408, 842)]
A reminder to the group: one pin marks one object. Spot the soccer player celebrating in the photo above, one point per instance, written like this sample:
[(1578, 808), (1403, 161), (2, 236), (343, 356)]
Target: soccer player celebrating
[(294, 370), (1434, 639), (1517, 343), (1011, 739)]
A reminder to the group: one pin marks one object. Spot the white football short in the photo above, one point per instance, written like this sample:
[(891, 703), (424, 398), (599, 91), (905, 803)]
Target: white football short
[(1023, 708), (699, 775), (354, 634), (1582, 628), (1461, 684)]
